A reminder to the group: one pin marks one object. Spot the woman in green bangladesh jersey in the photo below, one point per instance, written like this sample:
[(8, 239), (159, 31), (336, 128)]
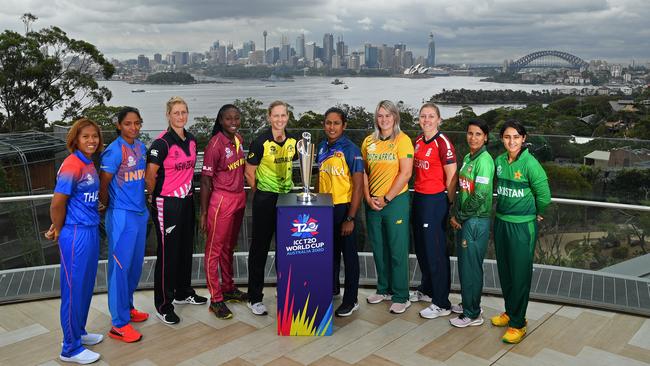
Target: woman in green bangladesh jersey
[(522, 196), (471, 219)]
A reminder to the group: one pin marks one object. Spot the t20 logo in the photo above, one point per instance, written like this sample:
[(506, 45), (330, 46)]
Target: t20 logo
[(304, 227)]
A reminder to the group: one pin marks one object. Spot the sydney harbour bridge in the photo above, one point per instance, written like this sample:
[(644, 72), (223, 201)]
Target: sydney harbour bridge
[(547, 59)]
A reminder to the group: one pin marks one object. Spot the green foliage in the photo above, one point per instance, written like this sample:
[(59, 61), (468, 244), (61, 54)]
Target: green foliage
[(202, 130), (45, 70), (170, 78), (467, 96), (566, 181)]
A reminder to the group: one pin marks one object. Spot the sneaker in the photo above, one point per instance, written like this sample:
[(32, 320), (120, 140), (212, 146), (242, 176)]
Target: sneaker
[(235, 295), (514, 335), (415, 296), (84, 357), (91, 339), (500, 320), (138, 316), (458, 309), (377, 298), (169, 318), (126, 334), (220, 310), (463, 321), (399, 307), (258, 308), (346, 309), (433, 311), (192, 299)]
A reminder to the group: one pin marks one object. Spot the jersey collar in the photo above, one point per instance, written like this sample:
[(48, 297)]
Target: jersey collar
[(82, 157), (481, 150)]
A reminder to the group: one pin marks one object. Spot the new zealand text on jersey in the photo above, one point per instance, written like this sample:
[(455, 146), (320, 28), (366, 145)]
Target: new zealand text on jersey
[(509, 192)]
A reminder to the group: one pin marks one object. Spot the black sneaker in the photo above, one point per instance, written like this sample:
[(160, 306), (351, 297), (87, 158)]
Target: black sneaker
[(235, 296), (346, 309), (220, 310), (169, 318), (192, 299)]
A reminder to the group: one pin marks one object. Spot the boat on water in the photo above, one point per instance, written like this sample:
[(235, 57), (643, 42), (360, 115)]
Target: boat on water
[(345, 87), (337, 82), (137, 90)]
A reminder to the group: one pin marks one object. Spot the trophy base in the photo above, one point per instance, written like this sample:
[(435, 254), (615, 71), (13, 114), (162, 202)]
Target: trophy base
[(306, 197)]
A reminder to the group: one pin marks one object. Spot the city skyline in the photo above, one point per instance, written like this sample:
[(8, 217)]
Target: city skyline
[(465, 31)]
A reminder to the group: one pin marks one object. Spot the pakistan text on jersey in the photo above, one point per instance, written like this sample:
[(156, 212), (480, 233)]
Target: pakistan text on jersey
[(509, 192)]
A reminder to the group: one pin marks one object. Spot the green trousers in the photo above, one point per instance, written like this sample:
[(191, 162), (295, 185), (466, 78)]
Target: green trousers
[(515, 249), (388, 231), (471, 244)]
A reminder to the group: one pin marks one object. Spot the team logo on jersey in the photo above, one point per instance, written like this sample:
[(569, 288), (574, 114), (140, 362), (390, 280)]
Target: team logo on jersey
[(469, 169), (518, 175), (228, 153), (130, 161), (338, 154), (450, 153), (428, 152), (154, 152), (372, 147), (251, 155), (90, 179), (272, 150), (304, 226), (499, 170), (290, 149), (417, 147)]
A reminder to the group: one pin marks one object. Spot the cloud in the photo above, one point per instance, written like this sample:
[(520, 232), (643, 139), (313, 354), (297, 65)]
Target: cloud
[(365, 23)]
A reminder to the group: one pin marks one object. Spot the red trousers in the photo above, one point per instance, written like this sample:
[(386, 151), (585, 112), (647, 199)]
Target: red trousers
[(225, 215)]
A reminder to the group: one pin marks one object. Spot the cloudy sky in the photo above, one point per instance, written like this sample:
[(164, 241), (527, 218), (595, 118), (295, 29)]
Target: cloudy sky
[(465, 30)]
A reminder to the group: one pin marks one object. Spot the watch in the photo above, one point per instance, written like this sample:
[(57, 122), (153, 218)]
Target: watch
[(349, 218)]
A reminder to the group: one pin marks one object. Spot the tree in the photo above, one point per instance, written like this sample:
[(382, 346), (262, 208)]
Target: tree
[(46, 70)]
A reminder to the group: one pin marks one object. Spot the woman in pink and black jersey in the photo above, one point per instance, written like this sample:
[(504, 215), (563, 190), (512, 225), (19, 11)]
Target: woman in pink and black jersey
[(170, 169), (223, 201)]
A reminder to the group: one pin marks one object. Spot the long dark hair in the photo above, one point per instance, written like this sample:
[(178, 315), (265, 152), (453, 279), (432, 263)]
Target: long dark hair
[(217, 122), (482, 125), (514, 124), (121, 114)]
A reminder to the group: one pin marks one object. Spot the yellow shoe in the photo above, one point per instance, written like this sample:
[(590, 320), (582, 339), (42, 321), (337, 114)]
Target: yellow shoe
[(500, 320), (514, 335)]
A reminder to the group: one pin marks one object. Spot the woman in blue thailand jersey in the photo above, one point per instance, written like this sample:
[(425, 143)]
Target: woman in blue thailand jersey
[(122, 191), (75, 224)]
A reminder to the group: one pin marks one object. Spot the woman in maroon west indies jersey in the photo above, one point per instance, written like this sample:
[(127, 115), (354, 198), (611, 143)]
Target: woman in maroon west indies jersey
[(223, 201), (435, 188), (170, 169)]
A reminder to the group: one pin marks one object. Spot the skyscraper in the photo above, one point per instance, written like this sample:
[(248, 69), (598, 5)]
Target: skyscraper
[(371, 55), (340, 48), (264, 34), (431, 57), (300, 46), (328, 48)]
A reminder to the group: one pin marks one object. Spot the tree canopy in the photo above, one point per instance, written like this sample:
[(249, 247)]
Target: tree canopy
[(46, 70)]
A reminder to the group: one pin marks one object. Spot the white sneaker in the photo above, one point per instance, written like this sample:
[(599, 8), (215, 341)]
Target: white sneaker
[(258, 308), (399, 308), (91, 339), (377, 298), (458, 309), (84, 357), (415, 296), (433, 311), (463, 321)]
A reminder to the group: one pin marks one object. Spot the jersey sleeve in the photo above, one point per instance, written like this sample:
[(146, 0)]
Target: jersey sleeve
[(157, 152), (210, 158), (484, 175), (354, 159), (255, 152), (539, 186), (67, 177), (404, 147), (446, 151), (111, 159)]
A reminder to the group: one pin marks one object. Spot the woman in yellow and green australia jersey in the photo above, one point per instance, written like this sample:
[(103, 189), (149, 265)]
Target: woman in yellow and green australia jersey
[(522, 197), (268, 173), (470, 218), (388, 156)]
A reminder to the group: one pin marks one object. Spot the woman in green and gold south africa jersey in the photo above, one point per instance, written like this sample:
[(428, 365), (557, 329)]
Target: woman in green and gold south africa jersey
[(522, 196)]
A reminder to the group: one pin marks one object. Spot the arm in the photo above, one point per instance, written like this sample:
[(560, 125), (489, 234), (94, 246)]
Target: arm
[(451, 176), (366, 192), (402, 179), (249, 173), (357, 193), (104, 180), (57, 215), (150, 177), (540, 188), (206, 191)]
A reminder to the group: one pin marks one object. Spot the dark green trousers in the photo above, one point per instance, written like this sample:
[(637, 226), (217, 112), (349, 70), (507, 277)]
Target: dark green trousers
[(388, 232), (515, 249), (471, 244)]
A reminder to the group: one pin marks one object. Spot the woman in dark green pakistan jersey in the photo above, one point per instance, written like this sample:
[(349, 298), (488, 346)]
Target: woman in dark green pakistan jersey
[(522, 196)]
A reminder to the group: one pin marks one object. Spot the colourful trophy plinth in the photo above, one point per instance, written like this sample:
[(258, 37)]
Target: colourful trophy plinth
[(304, 253)]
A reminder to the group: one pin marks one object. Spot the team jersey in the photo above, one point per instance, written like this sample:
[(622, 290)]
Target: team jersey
[(336, 165), (522, 188), (430, 158), (77, 179), (274, 162), (382, 161), (475, 179), (127, 164), (223, 160), (176, 159)]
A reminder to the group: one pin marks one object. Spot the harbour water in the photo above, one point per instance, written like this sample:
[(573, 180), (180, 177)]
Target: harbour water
[(304, 94)]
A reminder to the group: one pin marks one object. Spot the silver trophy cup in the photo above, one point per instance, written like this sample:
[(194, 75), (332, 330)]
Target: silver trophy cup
[(306, 150)]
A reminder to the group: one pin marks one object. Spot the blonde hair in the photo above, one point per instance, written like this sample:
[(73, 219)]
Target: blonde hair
[(432, 106), (73, 134), (277, 103), (392, 109), (176, 100)]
